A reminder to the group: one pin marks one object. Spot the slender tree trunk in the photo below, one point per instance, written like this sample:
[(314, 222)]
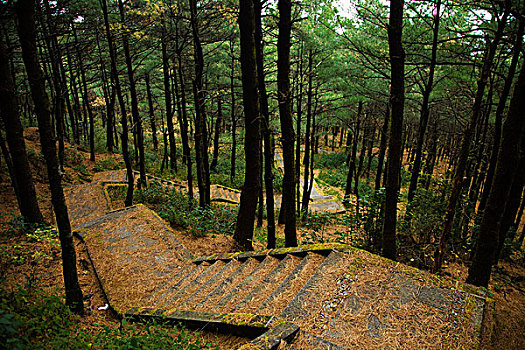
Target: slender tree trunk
[(382, 149), (123, 120), (201, 134), (457, 185), (298, 127), (425, 111), (233, 118), (512, 204), (21, 177), (351, 168), (252, 182), (513, 134), (267, 132), (283, 95), (183, 120), (151, 114), (134, 101), (109, 98), (86, 101), (218, 126), (26, 30), (499, 118), (397, 102), (167, 98), (306, 159)]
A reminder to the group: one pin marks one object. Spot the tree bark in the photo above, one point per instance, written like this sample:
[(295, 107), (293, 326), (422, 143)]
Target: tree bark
[(151, 114), (513, 133), (217, 135), (25, 10), (457, 185), (252, 182), (425, 111), (137, 127), (167, 98), (283, 96), (397, 101), (123, 118), (499, 117), (201, 133), (24, 188)]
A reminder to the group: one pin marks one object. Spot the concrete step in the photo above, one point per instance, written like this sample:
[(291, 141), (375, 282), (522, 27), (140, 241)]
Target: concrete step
[(279, 298), (254, 299), (308, 341), (175, 298), (309, 298), (180, 274), (231, 281), (236, 294), (190, 302), (173, 289)]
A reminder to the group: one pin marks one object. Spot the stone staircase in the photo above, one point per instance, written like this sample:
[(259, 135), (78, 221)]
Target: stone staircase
[(327, 296)]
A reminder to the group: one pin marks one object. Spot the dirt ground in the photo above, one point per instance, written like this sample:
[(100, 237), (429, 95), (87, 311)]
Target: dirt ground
[(504, 329)]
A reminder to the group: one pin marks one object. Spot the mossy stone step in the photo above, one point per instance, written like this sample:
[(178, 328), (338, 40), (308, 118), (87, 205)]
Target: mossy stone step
[(245, 286), (183, 272), (192, 286), (305, 340), (303, 304), (172, 290), (290, 285), (253, 300), (238, 275), (209, 285)]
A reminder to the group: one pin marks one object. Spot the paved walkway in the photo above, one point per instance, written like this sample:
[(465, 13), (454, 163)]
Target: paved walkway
[(329, 296)]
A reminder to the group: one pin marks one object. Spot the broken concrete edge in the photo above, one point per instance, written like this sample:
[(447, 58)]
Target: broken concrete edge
[(228, 188), (105, 185), (224, 200), (268, 331), (97, 276), (323, 248), (148, 176), (80, 230)]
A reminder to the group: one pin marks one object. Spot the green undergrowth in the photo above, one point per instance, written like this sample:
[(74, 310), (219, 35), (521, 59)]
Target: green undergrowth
[(175, 207), (33, 319)]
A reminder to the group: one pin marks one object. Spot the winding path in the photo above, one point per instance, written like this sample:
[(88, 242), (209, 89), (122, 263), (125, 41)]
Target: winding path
[(329, 296)]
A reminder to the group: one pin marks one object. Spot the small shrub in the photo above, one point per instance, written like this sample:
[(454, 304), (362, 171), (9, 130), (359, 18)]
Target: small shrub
[(108, 163)]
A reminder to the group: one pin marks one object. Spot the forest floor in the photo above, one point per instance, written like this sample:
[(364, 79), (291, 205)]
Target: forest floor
[(25, 261)]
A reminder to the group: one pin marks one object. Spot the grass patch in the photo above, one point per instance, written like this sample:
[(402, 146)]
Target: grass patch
[(33, 319)]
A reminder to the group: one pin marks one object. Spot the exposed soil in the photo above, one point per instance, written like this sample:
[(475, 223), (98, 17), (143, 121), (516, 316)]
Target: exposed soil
[(504, 329)]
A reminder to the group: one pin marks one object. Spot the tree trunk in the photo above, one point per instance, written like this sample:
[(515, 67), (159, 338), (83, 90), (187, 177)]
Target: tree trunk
[(217, 135), (134, 101), (382, 149), (24, 188), (245, 218), (457, 185), (283, 95), (499, 118), (167, 99), (233, 117), (351, 168), (123, 120), (201, 134), (267, 132), (513, 133), (298, 128), (86, 103), (151, 114), (27, 33), (306, 159), (397, 101), (425, 112), (183, 121)]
